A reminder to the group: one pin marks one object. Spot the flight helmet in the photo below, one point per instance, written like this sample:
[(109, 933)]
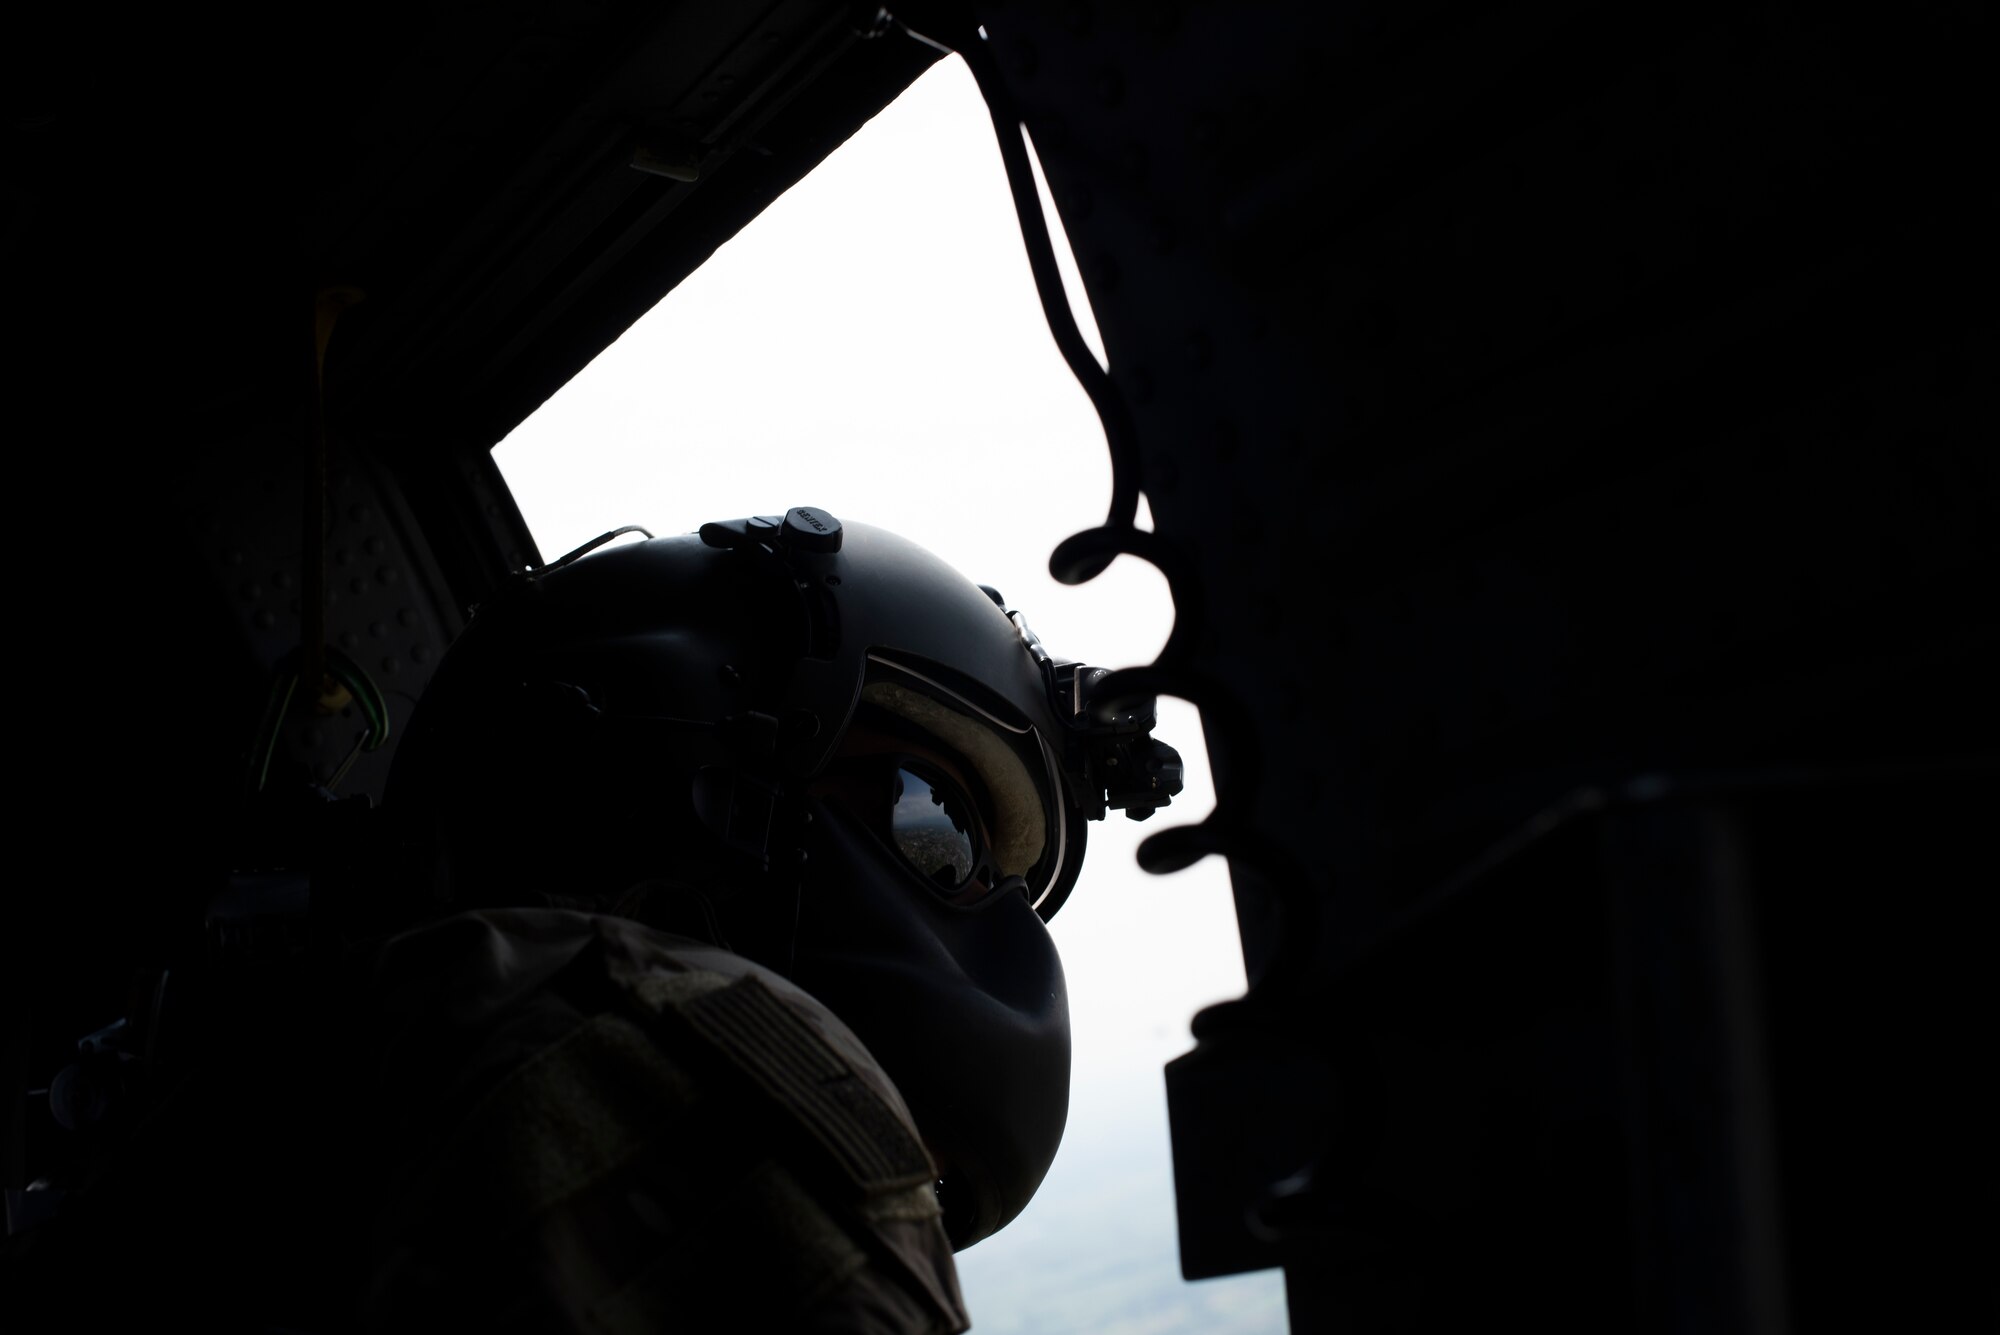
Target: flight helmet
[(712, 675)]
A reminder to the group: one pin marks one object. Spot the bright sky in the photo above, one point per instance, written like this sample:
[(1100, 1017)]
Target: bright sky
[(872, 345)]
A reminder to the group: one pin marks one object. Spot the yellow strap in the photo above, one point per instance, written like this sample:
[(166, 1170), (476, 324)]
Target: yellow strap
[(328, 303)]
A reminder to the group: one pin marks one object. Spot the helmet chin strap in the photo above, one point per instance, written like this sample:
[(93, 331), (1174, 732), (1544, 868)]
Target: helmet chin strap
[(797, 876), (759, 828)]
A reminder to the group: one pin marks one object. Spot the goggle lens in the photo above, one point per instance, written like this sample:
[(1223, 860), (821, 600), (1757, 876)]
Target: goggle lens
[(932, 830)]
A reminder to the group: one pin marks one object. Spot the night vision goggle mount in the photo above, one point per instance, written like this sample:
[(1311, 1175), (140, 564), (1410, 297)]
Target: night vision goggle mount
[(1109, 751)]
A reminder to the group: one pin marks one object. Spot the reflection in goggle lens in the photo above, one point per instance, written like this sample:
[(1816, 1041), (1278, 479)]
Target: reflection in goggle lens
[(930, 830)]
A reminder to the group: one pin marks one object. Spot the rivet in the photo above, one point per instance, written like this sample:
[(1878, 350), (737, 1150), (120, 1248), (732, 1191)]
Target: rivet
[(265, 619), (373, 546), (358, 513), (390, 665), (420, 653), (283, 579), (388, 575), (406, 616), (348, 639), (251, 593), (340, 556), (313, 737), (377, 629)]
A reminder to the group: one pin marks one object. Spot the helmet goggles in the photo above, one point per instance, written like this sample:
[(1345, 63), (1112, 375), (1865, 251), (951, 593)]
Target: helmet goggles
[(964, 792)]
